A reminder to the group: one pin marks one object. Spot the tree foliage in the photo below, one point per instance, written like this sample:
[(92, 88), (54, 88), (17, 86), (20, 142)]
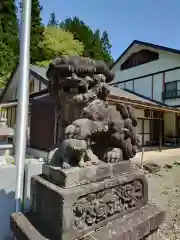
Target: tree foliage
[(52, 20), (37, 30), (57, 42), (72, 37), (95, 45), (9, 42)]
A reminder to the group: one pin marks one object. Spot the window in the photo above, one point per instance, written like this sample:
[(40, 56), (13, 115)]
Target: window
[(147, 113), (171, 90), (155, 114), (171, 86)]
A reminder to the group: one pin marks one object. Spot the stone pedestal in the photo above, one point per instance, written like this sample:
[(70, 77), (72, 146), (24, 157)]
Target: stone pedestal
[(141, 224), (104, 201), (108, 201)]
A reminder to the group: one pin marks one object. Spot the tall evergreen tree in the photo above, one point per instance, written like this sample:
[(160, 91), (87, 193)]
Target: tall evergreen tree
[(37, 31), (106, 42), (9, 41), (52, 20), (95, 46), (106, 45)]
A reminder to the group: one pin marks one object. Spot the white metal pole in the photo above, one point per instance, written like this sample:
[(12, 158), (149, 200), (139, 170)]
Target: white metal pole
[(23, 101)]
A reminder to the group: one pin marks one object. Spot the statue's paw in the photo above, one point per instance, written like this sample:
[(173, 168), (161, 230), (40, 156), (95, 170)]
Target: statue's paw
[(65, 165), (88, 163), (92, 158), (113, 155), (95, 161), (82, 164)]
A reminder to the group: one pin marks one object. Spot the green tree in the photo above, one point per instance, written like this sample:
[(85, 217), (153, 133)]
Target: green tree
[(9, 41), (7, 62), (37, 30), (57, 42), (95, 46), (52, 20), (106, 42), (106, 45)]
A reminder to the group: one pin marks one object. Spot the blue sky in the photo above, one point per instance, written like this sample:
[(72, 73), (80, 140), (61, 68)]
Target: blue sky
[(155, 21)]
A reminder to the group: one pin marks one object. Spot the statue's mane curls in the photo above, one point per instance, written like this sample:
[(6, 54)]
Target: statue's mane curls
[(66, 65)]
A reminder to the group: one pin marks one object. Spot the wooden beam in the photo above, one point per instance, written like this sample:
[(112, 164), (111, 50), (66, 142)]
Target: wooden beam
[(139, 104), (6, 105)]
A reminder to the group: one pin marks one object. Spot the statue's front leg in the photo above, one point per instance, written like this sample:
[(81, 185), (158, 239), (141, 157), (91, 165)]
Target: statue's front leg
[(81, 160), (65, 163), (91, 158), (59, 157)]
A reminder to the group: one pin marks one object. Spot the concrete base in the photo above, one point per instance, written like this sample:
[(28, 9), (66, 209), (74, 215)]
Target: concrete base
[(7, 198), (141, 224), (32, 167)]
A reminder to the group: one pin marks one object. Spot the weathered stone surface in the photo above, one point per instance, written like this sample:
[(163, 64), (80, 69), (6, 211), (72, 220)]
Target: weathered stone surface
[(90, 129), (96, 192), (23, 229), (68, 212), (78, 176), (134, 226)]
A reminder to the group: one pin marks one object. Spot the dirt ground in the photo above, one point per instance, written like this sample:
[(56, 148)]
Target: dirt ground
[(164, 190)]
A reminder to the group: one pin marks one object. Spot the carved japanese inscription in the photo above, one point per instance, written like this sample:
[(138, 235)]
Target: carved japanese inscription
[(94, 208)]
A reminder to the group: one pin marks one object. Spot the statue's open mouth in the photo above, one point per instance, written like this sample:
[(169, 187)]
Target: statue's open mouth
[(74, 84), (78, 90)]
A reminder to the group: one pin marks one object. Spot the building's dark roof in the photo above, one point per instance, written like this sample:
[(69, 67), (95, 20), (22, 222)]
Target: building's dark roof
[(146, 44), (8, 83), (40, 71)]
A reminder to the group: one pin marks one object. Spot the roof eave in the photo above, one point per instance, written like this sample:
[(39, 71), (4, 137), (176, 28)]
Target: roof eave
[(146, 44), (140, 104)]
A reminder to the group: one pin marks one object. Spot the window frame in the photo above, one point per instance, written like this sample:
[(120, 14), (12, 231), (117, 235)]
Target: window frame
[(172, 82)]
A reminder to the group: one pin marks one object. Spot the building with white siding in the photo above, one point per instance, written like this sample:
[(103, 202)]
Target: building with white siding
[(152, 72)]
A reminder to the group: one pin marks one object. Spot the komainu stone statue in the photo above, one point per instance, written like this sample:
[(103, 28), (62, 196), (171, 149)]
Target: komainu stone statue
[(89, 189), (91, 131)]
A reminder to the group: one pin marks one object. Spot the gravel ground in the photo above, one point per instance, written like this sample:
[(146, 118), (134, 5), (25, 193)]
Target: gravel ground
[(164, 190)]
